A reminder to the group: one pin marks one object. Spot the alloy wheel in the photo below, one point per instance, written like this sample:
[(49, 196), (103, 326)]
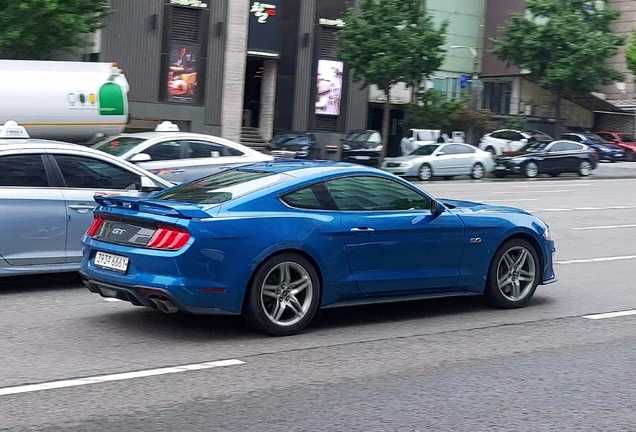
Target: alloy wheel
[(286, 293), (532, 170), (516, 273), (425, 172), (478, 171), (585, 168)]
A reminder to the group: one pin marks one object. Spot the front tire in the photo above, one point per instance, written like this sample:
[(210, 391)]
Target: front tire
[(531, 170), (284, 295), (514, 275)]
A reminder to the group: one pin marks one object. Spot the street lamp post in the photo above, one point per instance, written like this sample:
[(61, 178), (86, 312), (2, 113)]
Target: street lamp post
[(475, 85)]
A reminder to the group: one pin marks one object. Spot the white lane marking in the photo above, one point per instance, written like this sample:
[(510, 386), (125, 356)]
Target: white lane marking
[(116, 377), (542, 184), (595, 260), (486, 201), (536, 191), (551, 210), (605, 227), (610, 314)]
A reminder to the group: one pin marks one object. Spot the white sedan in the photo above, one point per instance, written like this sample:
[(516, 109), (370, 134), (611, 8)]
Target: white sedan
[(442, 160), (180, 156)]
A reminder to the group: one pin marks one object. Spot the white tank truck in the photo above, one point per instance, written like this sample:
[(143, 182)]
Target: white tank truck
[(67, 101)]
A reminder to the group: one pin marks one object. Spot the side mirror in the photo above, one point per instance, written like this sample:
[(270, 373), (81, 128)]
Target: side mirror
[(215, 154), (148, 185), (140, 157), (436, 209)]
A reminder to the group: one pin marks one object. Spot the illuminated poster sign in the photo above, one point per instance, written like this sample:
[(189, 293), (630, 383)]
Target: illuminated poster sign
[(329, 87)]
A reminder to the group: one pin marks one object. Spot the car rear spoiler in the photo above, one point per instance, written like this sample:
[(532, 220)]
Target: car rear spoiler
[(160, 207)]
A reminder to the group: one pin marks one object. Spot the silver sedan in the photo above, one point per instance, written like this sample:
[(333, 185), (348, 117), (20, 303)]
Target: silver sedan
[(47, 191), (441, 160)]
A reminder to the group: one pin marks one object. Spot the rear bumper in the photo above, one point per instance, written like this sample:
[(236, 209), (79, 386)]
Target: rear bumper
[(139, 295)]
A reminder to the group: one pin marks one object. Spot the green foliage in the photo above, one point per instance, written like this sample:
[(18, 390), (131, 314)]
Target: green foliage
[(33, 29), (514, 122), (434, 111), (564, 47), (390, 41), (630, 55)]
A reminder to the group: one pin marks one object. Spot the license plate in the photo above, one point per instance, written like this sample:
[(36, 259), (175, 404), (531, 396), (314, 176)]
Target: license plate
[(362, 157), (111, 262)]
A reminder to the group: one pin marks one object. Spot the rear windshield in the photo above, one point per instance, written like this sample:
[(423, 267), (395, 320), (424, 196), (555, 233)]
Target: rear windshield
[(119, 145), (221, 187)]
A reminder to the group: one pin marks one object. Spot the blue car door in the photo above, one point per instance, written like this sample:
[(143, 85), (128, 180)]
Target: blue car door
[(393, 242)]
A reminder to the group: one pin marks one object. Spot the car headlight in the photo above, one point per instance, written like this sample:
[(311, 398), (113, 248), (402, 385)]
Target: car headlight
[(546, 233), (305, 147), (346, 147), (406, 164)]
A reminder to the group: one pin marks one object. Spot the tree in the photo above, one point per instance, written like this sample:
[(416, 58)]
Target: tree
[(564, 44), (434, 111), (630, 55), (33, 29), (388, 42)]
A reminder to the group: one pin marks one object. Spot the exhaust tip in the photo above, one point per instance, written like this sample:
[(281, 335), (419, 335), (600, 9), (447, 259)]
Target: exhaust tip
[(164, 305)]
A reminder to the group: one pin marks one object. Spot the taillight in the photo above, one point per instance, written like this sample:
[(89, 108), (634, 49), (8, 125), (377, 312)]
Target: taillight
[(97, 222), (169, 238)]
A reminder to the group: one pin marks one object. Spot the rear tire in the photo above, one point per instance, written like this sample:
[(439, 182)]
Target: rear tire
[(585, 169), (506, 273), (287, 281), (478, 172), (425, 173)]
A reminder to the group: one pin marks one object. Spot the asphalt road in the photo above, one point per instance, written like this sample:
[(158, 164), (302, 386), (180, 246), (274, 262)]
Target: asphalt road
[(442, 365)]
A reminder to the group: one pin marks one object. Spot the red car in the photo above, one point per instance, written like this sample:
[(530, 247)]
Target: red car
[(623, 140)]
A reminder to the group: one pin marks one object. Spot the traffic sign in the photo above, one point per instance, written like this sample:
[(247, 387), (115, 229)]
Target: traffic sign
[(463, 81)]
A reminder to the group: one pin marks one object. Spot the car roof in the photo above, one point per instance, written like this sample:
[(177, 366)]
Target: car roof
[(19, 144), (304, 169)]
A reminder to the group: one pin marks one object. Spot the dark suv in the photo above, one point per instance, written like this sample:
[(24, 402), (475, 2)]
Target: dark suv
[(362, 147), (294, 145)]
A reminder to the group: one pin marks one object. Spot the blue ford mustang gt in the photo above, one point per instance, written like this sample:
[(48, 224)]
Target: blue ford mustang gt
[(277, 241)]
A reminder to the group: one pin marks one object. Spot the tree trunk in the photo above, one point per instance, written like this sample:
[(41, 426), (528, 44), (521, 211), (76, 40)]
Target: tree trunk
[(416, 92), (558, 127), (386, 124)]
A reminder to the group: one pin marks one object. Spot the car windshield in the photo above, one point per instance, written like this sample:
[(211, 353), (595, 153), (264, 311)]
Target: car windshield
[(221, 187), (281, 139), (595, 137), (119, 145), (425, 150)]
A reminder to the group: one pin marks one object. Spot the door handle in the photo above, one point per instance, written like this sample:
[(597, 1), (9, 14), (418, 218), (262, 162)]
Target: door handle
[(82, 208), (365, 229), (177, 171)]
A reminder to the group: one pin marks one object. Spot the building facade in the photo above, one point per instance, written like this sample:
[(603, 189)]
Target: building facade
[(240, 69)]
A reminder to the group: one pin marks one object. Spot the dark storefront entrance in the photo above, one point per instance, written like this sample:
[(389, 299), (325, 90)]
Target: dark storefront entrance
[(252, 98)]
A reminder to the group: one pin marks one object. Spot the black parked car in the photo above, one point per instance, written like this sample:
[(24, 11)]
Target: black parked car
[(294, 145), (362, 147), (548, 157)]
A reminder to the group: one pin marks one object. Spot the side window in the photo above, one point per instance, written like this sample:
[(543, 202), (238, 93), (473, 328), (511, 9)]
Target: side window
[(23, 170), (82, 172), (366, 193), (606, 136), (447, 150), (200, 149), (169, 150), (557, 147), (516, 136), (497, 135), (313, 197), (459, 149), (467, 149), (572, 146)]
